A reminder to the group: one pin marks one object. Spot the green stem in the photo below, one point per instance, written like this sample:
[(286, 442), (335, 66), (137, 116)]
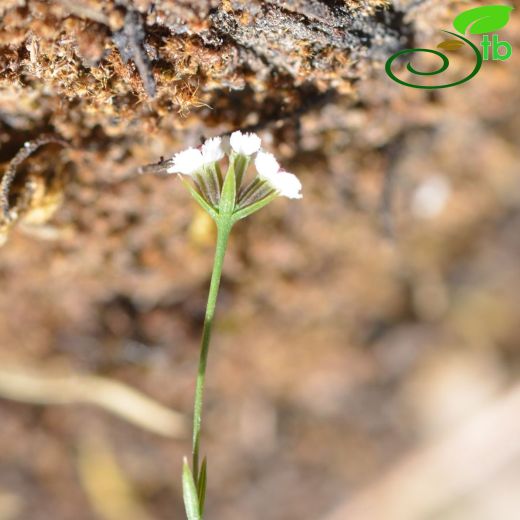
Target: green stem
[(224, 225)]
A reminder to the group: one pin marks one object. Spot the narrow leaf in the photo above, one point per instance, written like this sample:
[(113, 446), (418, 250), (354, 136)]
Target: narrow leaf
[(483, 19), (240, 163), (248, 210), (189, 491), (227, 200), (203, 476), (205, 206)]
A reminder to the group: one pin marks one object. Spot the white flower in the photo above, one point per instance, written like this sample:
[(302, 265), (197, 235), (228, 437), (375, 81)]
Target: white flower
[(286, 184), (187, 162), (192, 160), (212, 150), (245, 144)]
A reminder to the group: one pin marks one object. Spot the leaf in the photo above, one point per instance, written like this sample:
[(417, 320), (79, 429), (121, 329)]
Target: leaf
[(228, 197), (450, 45), (248, 210), (189, 491), (203, 477), (484, 19), (240, 162), (203, 204)]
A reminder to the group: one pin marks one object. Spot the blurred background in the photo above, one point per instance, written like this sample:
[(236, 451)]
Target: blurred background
[(365, 360)]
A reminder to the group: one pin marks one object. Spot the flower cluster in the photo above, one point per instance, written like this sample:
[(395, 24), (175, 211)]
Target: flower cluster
[(203, 166)]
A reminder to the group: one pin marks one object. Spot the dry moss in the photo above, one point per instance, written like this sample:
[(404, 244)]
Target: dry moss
[(95, 63)]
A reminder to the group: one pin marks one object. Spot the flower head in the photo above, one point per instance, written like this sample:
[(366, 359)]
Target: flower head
[(190, 161), (187, 162), (232, 195), (285, 183), (212, 150), (245, 144)]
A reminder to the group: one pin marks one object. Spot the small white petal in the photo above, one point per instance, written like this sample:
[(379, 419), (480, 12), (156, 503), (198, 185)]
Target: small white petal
[(245, 144), (266, 165), (212, 150), (187, 162), (286, 184)]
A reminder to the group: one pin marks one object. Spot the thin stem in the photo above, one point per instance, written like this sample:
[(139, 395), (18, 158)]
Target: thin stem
[(223, 230)]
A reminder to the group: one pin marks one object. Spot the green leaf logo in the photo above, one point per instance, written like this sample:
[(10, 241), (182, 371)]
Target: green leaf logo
[(480, 20), (450, 45)]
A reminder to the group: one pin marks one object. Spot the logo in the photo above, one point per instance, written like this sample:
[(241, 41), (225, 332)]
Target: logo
[(478, 21)]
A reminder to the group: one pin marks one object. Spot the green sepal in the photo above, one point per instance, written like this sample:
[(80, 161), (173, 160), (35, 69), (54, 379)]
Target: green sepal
[(203, 476), (240, 163), (202, 202), (248, 210), (189, 492), (229, 192), (216, 167)]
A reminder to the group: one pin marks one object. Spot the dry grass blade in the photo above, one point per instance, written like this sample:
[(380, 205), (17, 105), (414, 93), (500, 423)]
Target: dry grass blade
[(108, 488), (117, 398), (11, 505), (433, 476)]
